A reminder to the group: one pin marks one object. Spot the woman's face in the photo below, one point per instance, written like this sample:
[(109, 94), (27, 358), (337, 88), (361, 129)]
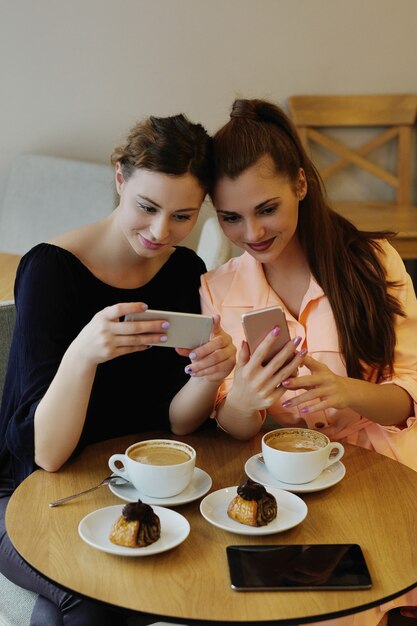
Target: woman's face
[(258, 211), (156, 210)]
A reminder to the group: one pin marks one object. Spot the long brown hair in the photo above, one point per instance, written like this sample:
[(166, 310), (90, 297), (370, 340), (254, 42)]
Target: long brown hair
[(342, 259), (170, 145)]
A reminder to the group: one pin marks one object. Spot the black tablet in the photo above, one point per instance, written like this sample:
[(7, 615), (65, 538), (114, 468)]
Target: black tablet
[(292, 567)]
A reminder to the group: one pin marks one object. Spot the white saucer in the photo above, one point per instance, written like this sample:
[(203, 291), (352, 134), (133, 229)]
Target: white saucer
[(199, 485), (330, 476), (95, 527), (291, 511)]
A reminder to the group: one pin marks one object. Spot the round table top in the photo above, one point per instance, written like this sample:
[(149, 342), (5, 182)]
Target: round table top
[(374, 505)]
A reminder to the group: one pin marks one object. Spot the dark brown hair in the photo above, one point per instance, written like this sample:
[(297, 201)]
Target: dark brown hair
[(343, 260), (171, 145)]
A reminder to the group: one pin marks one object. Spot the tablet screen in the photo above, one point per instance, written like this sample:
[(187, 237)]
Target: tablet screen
[(313, 566)]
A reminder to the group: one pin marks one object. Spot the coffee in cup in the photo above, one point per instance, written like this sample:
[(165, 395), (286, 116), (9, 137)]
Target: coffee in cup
[(298, 455), (160, 468)]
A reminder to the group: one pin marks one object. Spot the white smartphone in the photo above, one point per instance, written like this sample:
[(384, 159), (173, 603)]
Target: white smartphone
[(186, 330), (259, 323)]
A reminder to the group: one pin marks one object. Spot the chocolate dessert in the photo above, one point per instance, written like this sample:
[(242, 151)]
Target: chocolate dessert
[(253, 505), (137, 527)]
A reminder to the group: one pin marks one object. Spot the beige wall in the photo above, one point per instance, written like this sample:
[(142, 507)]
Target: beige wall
[(75, 75)]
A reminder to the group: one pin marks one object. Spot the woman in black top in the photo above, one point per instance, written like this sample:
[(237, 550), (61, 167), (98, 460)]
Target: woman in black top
[(78, 373)]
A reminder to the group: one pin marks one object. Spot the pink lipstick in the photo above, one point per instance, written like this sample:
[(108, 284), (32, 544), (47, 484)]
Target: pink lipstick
[(262, 246), (150, 245)]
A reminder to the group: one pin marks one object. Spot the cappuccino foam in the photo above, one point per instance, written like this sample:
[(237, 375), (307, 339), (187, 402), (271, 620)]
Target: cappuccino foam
[(159, 454)]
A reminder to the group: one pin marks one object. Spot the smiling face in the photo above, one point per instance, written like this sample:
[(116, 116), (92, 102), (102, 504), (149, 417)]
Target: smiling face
[(258, 211), (156, 210)]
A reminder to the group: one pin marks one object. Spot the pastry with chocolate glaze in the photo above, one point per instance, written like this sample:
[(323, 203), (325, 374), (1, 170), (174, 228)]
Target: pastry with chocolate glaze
[(137, 527), (253, 505)]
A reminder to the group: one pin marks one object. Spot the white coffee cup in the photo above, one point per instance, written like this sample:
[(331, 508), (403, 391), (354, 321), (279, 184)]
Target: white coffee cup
[(159, 468), (298, 455)]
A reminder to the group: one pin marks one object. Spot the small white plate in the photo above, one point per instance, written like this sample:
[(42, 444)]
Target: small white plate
[(330, 476), (199, 485), (291, 511), (95, 527)]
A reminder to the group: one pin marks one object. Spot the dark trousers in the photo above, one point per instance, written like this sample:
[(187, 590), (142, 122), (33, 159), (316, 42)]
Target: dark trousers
[(55, 605)]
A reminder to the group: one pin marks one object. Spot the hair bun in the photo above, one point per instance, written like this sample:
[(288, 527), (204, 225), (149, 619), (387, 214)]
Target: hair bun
[(244, 108)]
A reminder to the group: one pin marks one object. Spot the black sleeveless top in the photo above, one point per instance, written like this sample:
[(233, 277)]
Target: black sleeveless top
[(56, 296)]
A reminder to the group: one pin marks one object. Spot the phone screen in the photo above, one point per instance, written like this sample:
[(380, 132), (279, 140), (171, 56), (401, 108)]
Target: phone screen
[(298, 567)]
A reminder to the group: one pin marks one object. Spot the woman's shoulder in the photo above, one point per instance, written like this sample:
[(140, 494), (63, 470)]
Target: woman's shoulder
[(80, 240), (45, 264), (44, 256), (390, 259), (243, 263)]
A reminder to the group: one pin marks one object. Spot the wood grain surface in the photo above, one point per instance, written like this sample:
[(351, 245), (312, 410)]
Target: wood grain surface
[(375, 505)]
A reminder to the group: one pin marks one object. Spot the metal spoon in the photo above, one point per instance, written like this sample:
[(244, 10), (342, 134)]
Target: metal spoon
[(113, 480)]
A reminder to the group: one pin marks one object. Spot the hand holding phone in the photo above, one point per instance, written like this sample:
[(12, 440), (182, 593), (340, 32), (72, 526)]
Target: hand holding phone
[(186, 330), (258, 324)]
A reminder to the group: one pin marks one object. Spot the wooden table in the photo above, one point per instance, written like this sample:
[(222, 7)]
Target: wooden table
[(375, 505), (8, 267)]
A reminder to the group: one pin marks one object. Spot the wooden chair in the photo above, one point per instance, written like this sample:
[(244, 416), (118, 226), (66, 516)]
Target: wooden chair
[(393, 117)]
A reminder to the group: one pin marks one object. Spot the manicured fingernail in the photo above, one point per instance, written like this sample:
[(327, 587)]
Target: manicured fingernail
[(192, 355), (303, 352), (144, 307), (188, 369), (275, 331), (296, 340), (163, 338), (304, 409), (286, 383), (285, 404), (165, 325)]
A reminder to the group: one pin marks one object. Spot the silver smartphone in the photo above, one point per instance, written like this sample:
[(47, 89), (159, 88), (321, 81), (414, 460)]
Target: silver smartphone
[(259, 323), (186, 330)]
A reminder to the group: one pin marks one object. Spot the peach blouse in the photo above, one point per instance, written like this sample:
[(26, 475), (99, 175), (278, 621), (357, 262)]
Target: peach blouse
[(240, 286)]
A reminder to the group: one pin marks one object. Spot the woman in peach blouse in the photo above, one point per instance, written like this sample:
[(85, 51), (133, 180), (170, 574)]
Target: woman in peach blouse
[(349, 303)]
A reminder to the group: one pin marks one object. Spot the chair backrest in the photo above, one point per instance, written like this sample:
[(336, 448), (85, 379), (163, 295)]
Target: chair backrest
[(46, 196), (393, 114), (7, 320)]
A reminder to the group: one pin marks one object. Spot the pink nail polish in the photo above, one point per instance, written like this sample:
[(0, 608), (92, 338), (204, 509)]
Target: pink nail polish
[(286, 383), (275, 331), (304, 409), (285, 404), (296, 340)]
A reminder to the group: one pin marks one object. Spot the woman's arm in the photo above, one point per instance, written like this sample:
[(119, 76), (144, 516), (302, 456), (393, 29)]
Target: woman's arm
[(60, 415), (210, 364), (256, 387), (387, 404)]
